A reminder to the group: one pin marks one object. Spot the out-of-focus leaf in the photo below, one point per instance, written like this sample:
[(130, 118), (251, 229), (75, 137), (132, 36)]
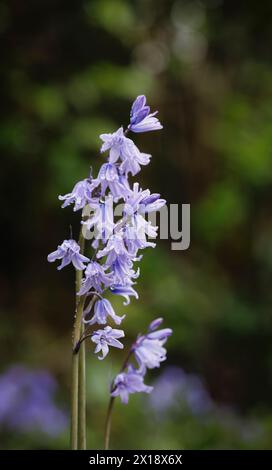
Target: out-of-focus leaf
[(122, 82), (244, 137), (48, 103), (86, 131), (117, 17), (223, 208)]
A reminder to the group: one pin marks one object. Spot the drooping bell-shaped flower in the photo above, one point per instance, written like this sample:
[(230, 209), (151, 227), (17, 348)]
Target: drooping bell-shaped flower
[(122, 270), (101, 219), (110, 178), (115, 247), (95, 278), (127, 383), (102, 310), (80, 196), (148, 349), (123, 148), (68, 252)]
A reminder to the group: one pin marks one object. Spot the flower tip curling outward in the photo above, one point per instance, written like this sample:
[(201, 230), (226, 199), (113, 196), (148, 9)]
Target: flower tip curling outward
[(102, 310), (148, 349), (154, 325), (105, 338), (161, 335), (125, 291), (141, 120), (80, 195), (127, 383), (68, 252), (122, 147), (95, 276)]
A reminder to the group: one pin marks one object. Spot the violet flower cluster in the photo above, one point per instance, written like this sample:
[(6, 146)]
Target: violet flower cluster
[(117, 245), (149, 352)]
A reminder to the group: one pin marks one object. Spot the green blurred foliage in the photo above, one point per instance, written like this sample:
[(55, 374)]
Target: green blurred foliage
[(69, 72)]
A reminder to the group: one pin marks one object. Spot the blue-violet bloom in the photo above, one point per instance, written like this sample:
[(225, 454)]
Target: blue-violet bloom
[(80, 196), (102, 310), (105, 338), (125, 291), (140, 118), (148, 349), (68, 252), (127, 383), (124, 148), (94, 278)]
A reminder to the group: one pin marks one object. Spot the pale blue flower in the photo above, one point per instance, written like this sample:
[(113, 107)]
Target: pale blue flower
[(115, 143), (105, 338), (95, 278), (114, 248), (68, 252), (151, 203), (149, 349), (124, 291), (119, 260), (80, 196), (141, 201), (122, 270), (127, 383), (136, 233), (101, 219), (140, 118), (109, 178), (149, 353), (124, 148), (133, 161), (102, 310)]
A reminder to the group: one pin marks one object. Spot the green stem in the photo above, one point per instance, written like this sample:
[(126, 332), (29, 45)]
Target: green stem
[(78, 420), (111, 403), (74, 403), (82, 389), (108, 423), (82, 397)]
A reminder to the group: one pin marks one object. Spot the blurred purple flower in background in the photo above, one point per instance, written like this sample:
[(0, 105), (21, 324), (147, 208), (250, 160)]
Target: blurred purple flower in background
[(176, 389), (27, 402), (179, 394)]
